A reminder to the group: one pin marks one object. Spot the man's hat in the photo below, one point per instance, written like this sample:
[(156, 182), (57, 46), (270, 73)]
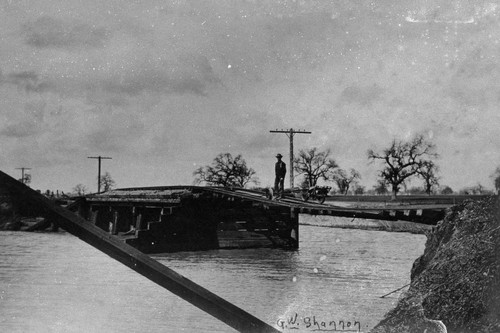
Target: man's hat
[(279, 155)]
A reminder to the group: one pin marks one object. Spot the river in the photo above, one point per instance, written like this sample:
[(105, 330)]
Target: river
[(54, 282)]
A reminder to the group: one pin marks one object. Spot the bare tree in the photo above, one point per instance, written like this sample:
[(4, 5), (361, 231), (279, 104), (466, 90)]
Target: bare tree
[(107, 183), (314, 164), (226, 171), (446, 190), (381, 187), (403, 160), (80, 189), (496, 179), (26, 180), (427, 172), (344, 180), (359, 189), (475, 189)]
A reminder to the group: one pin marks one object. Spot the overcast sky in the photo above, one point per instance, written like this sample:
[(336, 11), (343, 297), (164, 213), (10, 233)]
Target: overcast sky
[(162, 87)]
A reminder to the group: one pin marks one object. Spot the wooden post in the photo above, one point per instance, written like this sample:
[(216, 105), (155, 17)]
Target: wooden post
[(114, 229), (90, 214), (143, 264), (294, 218), (93, 216), (138, 222)]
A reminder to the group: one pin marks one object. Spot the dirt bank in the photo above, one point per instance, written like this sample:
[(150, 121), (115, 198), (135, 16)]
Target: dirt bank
[(363, 224), (456, 282)]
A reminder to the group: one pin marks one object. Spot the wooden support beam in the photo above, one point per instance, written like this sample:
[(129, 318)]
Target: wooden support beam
[(294, 216), (138, 222), (114, 226), (143, 264), (93, 216)]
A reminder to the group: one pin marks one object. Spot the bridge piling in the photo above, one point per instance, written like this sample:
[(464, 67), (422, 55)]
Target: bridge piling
[(294, 217)]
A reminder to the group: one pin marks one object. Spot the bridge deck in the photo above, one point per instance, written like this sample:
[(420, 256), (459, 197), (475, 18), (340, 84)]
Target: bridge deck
[(423, 213)]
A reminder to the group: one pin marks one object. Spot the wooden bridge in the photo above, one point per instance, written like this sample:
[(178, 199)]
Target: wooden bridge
[(176, 218)]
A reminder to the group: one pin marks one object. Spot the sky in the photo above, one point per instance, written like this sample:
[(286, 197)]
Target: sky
[(162, 87)]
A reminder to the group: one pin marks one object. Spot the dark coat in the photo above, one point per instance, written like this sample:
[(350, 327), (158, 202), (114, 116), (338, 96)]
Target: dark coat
[(280, 169)]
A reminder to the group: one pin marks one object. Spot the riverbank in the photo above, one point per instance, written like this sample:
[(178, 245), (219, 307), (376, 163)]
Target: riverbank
[(364, 224), (455, 282), (17, 223)]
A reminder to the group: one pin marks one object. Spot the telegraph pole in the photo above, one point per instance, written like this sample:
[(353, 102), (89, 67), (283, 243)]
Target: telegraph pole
[(22, 173), (99, 170), (290, 133)]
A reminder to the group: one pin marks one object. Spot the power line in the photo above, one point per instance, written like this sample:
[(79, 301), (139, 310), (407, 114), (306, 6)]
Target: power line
[(22, 173), (290, 133), (99, 170)]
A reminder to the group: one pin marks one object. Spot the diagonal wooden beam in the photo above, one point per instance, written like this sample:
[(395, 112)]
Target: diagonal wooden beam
[(200, 297)]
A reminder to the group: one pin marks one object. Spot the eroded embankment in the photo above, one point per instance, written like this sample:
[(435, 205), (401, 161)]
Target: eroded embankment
[(456, 281), (364, 224)]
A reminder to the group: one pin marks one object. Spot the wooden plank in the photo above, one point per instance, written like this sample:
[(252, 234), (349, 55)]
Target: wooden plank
[(207, 301)]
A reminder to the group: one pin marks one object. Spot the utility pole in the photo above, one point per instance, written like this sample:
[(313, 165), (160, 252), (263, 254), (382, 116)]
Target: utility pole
[(290, 133), (99, 170), (22, 173)]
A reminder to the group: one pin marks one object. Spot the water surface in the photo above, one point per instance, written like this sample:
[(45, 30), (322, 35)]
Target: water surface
[(54, 282)]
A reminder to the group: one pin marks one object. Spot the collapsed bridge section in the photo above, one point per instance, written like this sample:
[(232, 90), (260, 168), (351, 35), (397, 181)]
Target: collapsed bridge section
[(187, 218)]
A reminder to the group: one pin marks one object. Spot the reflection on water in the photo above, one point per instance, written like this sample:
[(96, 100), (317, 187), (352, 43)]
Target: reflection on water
[(57, 283)]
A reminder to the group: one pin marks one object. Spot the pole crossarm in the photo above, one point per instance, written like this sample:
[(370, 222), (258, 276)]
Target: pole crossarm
[(290, 130), (290, 133)]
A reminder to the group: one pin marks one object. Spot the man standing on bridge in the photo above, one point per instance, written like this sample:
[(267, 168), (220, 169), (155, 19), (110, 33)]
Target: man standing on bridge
[(279, 180)]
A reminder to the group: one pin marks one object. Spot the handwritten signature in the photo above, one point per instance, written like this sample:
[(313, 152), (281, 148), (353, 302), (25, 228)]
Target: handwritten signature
[(312, 323)]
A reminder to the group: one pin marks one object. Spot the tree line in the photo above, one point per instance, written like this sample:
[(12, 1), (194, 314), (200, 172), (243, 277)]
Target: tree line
[(106, 182), (400, 163)]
